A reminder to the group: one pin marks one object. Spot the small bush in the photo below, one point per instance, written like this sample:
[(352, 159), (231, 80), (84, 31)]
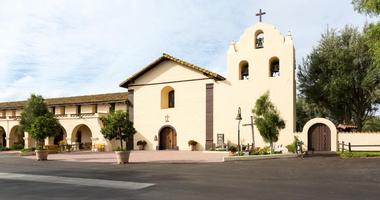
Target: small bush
[(293, 146), (260, 151), (141, 142), (28, 150), (121, 149), (2, 148), (192, 143), (17, 147), (232, 148)]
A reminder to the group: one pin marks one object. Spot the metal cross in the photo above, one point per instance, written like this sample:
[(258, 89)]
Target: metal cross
[(260, 14), (167, 118)]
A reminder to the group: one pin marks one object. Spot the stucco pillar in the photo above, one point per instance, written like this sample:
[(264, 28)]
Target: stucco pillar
[(26, 140), (8, 143)]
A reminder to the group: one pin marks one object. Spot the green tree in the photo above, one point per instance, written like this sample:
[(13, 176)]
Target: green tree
[(372, 31), (372, 124), (340, 77), (267, 119), (369, 7), (306, 111), (38, 121), (118, 126)]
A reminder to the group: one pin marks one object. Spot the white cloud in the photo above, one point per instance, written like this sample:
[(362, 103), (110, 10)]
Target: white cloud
[(62, 48)]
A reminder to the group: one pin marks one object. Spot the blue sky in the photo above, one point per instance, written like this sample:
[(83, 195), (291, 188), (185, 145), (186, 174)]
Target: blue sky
[(77, 47)]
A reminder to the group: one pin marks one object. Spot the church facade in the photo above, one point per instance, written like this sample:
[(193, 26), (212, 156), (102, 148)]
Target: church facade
[(173, 101)]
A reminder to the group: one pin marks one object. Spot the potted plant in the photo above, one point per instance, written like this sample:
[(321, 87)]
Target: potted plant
[(39, 123), (232, 149), (141, 144), (118, 126), (192, 144)]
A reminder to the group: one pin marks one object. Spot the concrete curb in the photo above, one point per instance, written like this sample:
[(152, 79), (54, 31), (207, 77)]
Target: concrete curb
[(258, 157)]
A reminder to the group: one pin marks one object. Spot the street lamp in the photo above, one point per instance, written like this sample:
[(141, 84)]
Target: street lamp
[(238, 117)]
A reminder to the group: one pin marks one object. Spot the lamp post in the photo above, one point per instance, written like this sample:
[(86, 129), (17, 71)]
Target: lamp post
[(239, 118)]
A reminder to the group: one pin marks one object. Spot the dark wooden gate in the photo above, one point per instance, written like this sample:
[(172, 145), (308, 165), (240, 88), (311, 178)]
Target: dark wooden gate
[(319, 138)]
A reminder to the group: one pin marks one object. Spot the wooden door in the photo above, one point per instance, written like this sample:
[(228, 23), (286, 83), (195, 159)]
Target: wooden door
[(168, 139), (319, 138)]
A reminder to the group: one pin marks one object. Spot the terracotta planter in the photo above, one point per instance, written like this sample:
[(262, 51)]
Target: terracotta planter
[(232, 153), (41, 154), (141, 147), (122, 156)]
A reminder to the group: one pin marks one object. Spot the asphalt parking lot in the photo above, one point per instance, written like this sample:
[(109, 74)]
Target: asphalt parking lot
[(307, 178)]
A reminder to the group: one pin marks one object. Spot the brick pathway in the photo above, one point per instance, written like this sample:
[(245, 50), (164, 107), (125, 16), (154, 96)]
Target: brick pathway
[(140, 157)]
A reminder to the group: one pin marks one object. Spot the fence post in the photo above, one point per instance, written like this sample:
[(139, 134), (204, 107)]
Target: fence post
[(342, 146), (349, 147), (337, 146)]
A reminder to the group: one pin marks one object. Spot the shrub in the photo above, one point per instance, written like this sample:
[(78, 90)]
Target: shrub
[(2, 148), (292, 147), (121, 149), (17, 147), (232, 148), (260, 151), (192, 142), (28, 150), (141, 142)]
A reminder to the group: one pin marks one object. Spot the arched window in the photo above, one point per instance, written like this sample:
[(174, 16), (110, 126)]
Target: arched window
[(274, 67), (259, 39), (243, 70), (167, 97)]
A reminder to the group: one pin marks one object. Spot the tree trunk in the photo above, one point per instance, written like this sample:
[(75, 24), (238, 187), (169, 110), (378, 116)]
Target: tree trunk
[(271, 147), (121, 144)]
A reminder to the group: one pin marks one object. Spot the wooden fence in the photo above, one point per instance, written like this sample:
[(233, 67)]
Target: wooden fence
[(349, 147)]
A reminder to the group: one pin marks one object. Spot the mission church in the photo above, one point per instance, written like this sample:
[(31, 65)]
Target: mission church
[(172, 101)]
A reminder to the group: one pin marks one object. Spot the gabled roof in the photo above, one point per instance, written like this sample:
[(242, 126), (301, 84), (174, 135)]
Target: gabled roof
[(165, 57), (75, 100)]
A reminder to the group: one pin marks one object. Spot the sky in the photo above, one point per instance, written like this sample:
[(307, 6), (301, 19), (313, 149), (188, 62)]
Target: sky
[(77, 47)]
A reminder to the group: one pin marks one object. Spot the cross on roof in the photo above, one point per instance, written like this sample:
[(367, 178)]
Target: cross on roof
[(260, 14)]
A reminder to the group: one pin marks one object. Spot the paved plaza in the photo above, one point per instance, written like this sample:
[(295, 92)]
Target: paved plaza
[(140, 157), (294, 178)]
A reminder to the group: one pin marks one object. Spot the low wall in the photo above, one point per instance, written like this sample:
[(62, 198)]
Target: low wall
[(360, 138)]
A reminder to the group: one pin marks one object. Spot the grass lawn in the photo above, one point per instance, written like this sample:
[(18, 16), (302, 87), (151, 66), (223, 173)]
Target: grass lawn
[(359, 154)]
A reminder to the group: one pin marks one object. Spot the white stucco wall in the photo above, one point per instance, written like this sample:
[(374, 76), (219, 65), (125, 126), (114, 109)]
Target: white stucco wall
[(360, 138), (234, 93), (188, 115)]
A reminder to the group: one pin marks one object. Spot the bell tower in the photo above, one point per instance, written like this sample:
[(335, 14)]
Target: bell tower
[(263, 60)]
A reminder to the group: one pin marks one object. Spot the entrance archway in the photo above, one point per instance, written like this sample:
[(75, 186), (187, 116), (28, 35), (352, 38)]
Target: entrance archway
[(320, 134), (16, 138), (319, 138), (167, 138), (3, 141), (60, 137), (82, 134)]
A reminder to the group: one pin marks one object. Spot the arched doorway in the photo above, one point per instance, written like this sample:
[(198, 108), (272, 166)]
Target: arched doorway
[(168, 138), (60, 137), (82, 134), (3, 141), (319, 138), (16, 138)]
